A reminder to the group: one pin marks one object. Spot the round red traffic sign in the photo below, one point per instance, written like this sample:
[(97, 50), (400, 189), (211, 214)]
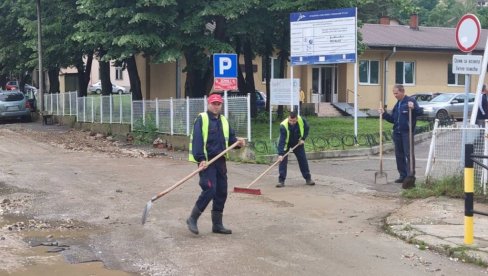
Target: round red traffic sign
[(468, 32)]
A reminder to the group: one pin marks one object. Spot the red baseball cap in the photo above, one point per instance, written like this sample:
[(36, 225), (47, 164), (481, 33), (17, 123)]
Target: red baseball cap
[(215, 98)]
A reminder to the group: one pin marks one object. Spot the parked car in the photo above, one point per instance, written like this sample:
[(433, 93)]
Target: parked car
[(97, 88), (13, 104), (260, 100), (12, 85), (425, 97), (448, 105)]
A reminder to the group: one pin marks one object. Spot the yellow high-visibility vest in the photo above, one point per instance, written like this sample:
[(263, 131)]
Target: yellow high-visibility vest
[(300, 126), (205, 124)]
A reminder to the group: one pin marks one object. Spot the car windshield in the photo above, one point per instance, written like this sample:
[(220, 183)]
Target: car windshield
[(442, 98), (11, 97)]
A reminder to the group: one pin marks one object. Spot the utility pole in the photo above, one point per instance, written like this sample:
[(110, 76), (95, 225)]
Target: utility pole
[(39, 53)]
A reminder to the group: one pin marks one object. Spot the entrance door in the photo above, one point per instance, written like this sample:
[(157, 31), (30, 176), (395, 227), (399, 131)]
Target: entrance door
[(324, 83)]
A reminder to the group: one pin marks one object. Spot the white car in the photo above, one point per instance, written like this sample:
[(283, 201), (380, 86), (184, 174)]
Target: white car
[(97, 88)]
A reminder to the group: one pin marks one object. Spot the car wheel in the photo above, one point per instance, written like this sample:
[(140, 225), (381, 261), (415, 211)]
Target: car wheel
[(98, 91), (442, 115), (120, 91)]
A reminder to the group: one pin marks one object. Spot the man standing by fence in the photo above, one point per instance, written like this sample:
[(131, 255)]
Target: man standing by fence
[(400, 119), (211, 135)]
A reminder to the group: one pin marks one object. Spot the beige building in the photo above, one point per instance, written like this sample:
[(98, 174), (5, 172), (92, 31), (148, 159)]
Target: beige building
[(68, 77)]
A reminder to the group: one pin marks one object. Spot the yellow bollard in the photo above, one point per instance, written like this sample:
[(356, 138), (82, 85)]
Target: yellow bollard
[(469, 193)]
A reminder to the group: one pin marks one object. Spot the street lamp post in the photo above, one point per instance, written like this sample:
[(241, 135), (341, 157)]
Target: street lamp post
[(39, 53)]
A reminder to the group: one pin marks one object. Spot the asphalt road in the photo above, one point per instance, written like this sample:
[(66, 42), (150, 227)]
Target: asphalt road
[(332, 228)]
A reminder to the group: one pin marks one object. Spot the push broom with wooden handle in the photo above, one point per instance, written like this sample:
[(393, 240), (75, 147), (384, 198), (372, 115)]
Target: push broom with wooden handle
[(156, 197)]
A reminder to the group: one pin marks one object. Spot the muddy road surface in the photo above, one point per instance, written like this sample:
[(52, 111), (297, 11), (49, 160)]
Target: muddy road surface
[(71, 203)]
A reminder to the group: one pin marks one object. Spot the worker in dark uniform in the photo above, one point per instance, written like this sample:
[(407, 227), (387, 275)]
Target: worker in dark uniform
[(400, 119), (293, 131), (211, 135)]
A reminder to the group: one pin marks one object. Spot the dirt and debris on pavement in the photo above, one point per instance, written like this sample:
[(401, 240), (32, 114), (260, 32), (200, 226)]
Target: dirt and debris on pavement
[(72, 202)]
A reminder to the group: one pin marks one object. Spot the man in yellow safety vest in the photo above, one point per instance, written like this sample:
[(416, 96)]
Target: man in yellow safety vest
[(211, 135), (293, 131)]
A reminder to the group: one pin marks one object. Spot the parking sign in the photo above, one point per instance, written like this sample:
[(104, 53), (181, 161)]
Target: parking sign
[(225, 65), (225, 71)]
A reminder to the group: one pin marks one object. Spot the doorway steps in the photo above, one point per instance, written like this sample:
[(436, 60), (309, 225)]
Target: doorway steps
[(336, 110), (348, 109)]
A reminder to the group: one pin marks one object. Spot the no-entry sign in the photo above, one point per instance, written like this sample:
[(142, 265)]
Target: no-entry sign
[(468, 32)]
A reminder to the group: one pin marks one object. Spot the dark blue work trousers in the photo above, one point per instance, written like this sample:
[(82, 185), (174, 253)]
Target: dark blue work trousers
[(402, 154), (302, 163), (213, 181)]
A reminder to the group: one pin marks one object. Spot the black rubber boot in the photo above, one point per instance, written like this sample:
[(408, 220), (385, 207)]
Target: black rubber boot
[(217, 226), (192, 220)]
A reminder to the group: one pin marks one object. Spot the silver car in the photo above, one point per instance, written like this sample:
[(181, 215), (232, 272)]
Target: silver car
[(97, 88), (448, 105), (14, 104)]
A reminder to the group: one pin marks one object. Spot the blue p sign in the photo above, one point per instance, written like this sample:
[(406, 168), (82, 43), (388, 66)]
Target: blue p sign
[(225, 65)]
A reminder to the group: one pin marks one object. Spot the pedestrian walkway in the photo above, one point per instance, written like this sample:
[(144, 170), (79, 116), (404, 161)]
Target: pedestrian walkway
[(438, 224)]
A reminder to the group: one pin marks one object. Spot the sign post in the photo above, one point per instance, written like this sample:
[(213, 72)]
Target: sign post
[(468, 32)]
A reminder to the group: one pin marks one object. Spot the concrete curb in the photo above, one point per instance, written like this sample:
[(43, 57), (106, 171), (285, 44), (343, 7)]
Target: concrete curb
[(439, 227)]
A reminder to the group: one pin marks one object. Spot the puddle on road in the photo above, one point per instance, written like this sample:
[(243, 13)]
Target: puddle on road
[(40, 262), (49, 264)]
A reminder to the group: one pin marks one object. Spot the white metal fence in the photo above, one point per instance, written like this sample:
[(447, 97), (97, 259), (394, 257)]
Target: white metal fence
[(446, 153), (169, 116)]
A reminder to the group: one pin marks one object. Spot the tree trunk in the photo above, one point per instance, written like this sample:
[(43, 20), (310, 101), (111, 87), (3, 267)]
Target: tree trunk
[(81, 79), (84, 74), (250, 86), (267, 72), (105, 77), (3, 80), (194, 85), (135, 81), (53, 73)]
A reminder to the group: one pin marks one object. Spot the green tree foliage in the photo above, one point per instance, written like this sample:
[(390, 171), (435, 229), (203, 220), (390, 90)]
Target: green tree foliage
[(167, 30), (14, 50)]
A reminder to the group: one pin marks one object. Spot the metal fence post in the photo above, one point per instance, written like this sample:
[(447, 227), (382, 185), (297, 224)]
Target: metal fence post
[(143, 112), (111, 109), (226, 106), (120, 108), (484, 176), (131, 113), (69, 104), (84, 109), (171, 114), (57, 103), (101, 108), (92, 111), (52, 109), (187, 116), (157, 114), (249, 117), (64, 102)]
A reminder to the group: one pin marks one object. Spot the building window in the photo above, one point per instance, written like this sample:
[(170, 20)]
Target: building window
[(405, 72), (118, 73), (275, 68), (454, 79), (369, 71)]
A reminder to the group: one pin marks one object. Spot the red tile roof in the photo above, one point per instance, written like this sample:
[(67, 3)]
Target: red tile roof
[(402, 36)]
